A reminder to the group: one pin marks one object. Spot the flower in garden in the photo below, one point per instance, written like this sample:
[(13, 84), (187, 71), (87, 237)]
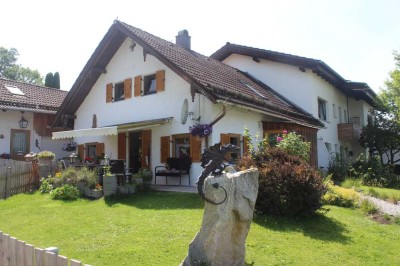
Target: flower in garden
[(279, 139), (285, 131)]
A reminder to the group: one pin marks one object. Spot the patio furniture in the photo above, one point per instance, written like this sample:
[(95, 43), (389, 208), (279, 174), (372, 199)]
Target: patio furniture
[(175, 167), (118, 169)]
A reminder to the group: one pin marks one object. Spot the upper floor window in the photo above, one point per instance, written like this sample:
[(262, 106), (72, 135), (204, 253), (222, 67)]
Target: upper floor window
[(119, 92), (322, 109), (149, 84), (345, 116)]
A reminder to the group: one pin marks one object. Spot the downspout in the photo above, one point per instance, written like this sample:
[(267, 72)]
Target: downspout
[(219, 117)]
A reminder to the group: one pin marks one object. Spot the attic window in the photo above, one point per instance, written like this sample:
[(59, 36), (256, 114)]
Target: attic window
[(253, 89), (15, 90)]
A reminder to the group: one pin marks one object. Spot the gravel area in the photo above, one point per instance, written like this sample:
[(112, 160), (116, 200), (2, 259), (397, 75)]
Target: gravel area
[(384, 206)]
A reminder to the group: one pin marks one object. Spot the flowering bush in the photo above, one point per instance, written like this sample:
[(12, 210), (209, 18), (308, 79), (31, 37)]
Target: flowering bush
[(71, 146), (66, 192), (98, 187), (202, 130), (294, 145)]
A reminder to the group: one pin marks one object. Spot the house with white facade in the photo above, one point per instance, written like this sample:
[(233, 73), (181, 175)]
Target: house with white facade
[(341, 105), (138, 96), (27, 113)]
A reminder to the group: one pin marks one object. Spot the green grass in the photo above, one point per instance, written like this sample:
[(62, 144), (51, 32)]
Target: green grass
[(389, 194), (155, 228)]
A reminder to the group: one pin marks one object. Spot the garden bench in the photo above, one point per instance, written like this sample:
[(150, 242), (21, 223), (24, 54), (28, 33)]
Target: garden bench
[(175, 167)]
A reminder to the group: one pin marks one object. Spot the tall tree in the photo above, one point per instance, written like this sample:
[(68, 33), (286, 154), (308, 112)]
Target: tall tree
[(48, 81), (382, 134), (56, 80), (11, 70), (391, 95)]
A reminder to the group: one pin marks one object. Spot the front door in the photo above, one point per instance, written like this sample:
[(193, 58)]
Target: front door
[(20, 143), (139, 150)]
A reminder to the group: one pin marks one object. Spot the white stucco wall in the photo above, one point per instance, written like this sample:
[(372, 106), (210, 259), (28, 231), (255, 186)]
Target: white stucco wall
[(9, 120), (127, 64), (304, 89)]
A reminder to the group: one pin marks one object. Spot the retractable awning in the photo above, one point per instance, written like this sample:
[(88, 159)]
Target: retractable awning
[(110, 130)]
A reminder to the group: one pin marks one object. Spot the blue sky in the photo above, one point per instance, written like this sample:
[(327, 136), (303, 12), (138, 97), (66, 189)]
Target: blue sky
[(355, 38)]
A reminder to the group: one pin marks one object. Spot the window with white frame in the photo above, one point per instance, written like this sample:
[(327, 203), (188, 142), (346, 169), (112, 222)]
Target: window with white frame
[(322, 109), (345, 116)]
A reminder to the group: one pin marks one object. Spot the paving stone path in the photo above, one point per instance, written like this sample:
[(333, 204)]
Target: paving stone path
[(384, 206)]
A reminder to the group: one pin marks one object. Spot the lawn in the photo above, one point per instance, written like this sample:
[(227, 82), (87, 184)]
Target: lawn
[(155, 228)]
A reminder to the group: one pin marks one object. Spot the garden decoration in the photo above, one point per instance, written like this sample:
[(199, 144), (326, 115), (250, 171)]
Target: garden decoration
[(212, 160), (222, 236)]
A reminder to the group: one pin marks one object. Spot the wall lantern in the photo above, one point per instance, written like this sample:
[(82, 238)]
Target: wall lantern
[(72, 158), (23, 123)]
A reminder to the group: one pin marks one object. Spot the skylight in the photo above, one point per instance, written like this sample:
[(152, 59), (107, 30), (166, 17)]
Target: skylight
[(15, 90), (253, 89)]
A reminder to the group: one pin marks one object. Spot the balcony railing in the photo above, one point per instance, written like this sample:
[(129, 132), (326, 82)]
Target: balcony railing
[(349, 131)]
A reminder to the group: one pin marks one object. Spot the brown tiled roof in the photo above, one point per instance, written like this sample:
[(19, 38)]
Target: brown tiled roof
[(36, 98), (354, 89), (217, 81)]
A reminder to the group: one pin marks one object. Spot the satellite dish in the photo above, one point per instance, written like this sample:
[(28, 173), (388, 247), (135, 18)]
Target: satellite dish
[(184, 112)]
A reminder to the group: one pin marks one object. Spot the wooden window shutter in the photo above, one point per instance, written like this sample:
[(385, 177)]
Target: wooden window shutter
[(100, 149), (109, 92), (122, 146), (245, 145), (138, 86), (128, 88), (165, 149), (195, 148), (225, 139), (160, 80), (81, 152), (146, 146)]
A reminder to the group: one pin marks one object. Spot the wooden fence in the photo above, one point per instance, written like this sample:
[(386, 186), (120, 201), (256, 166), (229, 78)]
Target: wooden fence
[(14, 252), (17, 177)]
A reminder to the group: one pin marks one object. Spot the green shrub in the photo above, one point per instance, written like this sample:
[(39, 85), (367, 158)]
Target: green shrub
[(340, 196), (294, 145), (373, 173), (287, 184), (339, 168), (368, 207), (69, 176), (45, 187), (397, 220), (87, 176), (66, 192), (351, 183)]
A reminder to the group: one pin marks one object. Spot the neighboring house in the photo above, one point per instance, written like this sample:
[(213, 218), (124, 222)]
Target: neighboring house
[(138, 94), (341, 105), (27, 112)]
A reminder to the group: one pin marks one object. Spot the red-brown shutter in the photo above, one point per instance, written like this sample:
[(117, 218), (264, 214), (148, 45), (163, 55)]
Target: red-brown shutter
[(121, 146), (165, 148), (109, 92), (195, 148), (225, 139), (146, 146), (128, 88), (100, 150), (81, 152), (160, 80), (138, 86)]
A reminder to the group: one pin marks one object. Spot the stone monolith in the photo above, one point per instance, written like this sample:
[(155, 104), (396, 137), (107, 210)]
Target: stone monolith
[(222, 237)]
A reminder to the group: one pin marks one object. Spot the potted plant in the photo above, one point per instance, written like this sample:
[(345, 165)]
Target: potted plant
[(201, 130), (46, 156)]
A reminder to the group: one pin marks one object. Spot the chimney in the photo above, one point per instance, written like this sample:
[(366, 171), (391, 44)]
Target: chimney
[(183, 39)]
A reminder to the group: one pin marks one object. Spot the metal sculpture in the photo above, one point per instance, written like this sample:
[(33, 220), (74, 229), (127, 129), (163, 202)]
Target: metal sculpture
[(212, 161)]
